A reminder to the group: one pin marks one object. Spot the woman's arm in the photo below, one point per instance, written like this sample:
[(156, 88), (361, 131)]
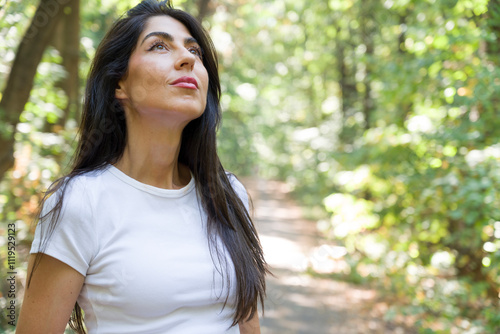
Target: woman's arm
[(50, 298), (251, 326)]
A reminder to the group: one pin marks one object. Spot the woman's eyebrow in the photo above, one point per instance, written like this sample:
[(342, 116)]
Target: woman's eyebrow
[(168, 37)]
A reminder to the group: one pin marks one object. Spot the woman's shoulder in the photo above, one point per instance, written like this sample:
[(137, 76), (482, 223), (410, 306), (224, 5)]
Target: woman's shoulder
[(235, 182), (73, 188), (238, 187), (86, 180)]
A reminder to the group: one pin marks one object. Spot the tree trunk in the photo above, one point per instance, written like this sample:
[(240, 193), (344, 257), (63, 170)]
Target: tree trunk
[(406, 105), (20, 82), (342, 77), (367, 38), (346, 75), (203, 9), (493, 22), (67, 41), (402, 34), (347, 85)]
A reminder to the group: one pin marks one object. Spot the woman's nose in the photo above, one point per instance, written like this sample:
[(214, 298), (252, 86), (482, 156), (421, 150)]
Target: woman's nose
[(185, 60)]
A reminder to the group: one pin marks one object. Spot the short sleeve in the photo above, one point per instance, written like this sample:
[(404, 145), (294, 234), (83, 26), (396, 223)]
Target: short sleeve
[(240, 190), (73, 240)]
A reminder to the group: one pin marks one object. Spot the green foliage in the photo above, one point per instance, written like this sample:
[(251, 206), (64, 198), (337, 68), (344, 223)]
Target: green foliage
[(429, 170), (389, 114)]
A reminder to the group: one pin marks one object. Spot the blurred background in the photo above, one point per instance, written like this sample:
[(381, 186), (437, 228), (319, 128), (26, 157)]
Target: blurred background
[(380, 117)]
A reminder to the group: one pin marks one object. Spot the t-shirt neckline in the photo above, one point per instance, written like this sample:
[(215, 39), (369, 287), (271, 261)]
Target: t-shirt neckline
[(172, 193)]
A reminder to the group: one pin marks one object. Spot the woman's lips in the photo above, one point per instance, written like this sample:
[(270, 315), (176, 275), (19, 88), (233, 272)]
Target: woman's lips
[(185, 82)]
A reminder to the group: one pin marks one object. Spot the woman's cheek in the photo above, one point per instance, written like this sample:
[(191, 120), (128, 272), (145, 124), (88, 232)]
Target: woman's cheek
[(139, 94)]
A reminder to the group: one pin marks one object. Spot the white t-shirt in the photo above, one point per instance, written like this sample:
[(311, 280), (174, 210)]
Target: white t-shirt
[(145, 256)]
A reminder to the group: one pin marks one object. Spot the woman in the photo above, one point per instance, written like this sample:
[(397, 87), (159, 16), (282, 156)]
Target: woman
[(147, 233)]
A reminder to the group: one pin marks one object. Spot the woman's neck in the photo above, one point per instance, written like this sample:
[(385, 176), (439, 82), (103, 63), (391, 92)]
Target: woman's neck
[(151, 157)]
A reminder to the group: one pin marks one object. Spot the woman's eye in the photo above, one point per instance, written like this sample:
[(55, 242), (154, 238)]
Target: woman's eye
[(158, 46), (196, 51)]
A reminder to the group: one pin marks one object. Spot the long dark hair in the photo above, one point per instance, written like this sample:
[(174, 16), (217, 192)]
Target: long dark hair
[(103, 135)]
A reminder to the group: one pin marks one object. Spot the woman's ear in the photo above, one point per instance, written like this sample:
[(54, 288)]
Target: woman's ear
[(120, 93)]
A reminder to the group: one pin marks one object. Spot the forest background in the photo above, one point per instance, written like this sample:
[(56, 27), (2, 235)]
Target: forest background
[(381, 115)]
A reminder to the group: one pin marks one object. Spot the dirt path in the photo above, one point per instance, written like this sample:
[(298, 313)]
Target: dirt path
[(298, 303)]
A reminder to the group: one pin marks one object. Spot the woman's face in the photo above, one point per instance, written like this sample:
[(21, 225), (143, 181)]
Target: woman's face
[(166, 81)]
